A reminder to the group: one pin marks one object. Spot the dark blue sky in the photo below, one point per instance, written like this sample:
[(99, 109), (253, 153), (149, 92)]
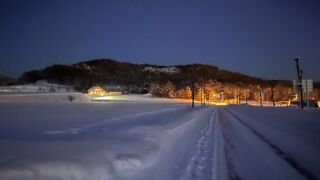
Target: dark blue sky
[(255, 37)]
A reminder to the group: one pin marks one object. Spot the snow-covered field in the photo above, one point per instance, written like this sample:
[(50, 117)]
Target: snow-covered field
[(45, 98), (38, 87), (153, 139)]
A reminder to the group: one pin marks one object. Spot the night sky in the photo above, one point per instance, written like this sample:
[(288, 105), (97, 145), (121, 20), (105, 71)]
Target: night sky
[(254, 37)]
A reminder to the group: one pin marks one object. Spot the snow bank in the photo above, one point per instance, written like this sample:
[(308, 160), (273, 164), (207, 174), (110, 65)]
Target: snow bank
[(44, 98), (38, 87)]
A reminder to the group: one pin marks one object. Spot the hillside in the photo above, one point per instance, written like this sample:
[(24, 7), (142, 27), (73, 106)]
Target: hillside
[(165, 81), (5, 80), (107, 71)]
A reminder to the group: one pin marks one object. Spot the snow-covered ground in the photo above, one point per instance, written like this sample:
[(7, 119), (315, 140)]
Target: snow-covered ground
[(146, 140), (45, 98), (38, 87), (276, 143), (135, 98)]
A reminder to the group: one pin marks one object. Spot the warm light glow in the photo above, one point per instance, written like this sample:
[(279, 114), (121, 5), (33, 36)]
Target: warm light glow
[(108, 98), (96, 90), (219, 103)]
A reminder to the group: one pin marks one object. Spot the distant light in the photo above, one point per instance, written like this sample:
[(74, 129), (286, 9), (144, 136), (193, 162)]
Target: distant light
[(219, 103)]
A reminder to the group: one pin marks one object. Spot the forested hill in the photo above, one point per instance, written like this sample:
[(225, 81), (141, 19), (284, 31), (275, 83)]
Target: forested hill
[(138, 78), (108, 71), (5, 80)]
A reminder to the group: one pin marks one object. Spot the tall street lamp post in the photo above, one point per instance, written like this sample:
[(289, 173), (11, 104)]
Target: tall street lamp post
[(300, 72)]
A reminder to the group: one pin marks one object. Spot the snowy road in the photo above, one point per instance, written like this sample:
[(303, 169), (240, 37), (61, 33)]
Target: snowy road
[(165, 141), (255, 151)]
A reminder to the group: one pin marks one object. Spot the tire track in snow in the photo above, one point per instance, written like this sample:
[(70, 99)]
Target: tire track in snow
[(229, 161), (290, 160), (232, 174), (201, 162), (220, 167)]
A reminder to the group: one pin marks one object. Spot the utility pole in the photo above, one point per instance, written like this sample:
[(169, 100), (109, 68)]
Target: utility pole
[(272, 96), (194, 86), (300, 72), (260, 94), (204, 95), (247, 96), (193, 94), (272, 84), (238, 97), (201, 96)]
